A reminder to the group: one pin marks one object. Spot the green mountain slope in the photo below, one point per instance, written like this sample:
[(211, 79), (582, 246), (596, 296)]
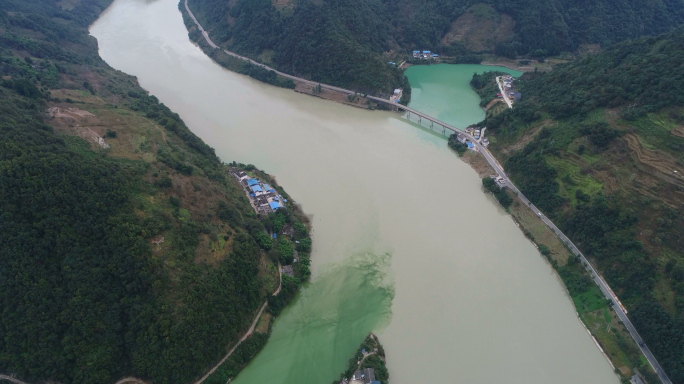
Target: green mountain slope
[(135, 255), (598, 145), (348, 43)]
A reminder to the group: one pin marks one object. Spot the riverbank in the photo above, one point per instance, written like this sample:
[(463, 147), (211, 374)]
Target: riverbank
[(598, 316), (249, 67), (601, 322)]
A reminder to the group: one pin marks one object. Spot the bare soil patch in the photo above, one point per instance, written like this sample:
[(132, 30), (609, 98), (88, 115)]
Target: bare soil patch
[(678, 131), (657, 164), (478, 163), (262, 325), (492, 103), (479, 33), (359, 101), (525, 139), (530, 223), (280, 4)]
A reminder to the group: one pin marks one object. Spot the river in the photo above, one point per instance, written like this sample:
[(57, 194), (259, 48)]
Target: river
[(405, 242)]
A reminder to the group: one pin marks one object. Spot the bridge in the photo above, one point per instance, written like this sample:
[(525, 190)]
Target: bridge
[(609, 294)]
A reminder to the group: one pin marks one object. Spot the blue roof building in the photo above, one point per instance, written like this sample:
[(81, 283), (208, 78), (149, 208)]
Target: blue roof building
[(256, 188), (470, 145), (268, 188), (416, 51), (252, 182), (274, 205), (435, 55), (427, 52)]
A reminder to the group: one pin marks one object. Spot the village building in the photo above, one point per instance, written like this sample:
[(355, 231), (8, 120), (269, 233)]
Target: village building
[(287, 270), (424, 55), (263, 197), (500, 181), (367, 376), (509, 90), (396, 96)]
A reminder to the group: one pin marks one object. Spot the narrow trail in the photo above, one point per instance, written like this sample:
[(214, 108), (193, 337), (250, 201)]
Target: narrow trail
[(12, 379), (247, 334), (133, 380)]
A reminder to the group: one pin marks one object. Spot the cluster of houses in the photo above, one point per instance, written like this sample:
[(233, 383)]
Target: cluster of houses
[(424, 55), (478, 134), (366, 376), (263, 197), (509, 90), (396, 96)]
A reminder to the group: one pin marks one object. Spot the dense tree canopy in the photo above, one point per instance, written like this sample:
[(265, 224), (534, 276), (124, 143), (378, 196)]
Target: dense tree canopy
[(348, 42), (83, 297)]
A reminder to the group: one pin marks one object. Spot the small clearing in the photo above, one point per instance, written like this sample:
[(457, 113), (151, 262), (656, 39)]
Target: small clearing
[(480, 28), (530, 223), (525, 139), (262, 325)]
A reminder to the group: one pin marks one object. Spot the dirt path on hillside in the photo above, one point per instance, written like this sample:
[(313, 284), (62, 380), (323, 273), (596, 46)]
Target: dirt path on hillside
[(250, 330), (247, 334)]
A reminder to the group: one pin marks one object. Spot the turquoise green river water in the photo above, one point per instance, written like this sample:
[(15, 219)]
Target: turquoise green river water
[(443, 91), (405, 243)]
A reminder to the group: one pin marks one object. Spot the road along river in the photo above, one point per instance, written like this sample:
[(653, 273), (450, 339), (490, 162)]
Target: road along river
[(405, 242)]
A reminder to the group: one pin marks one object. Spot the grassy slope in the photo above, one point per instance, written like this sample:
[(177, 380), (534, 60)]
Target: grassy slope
[(553, 147), (118, 304)]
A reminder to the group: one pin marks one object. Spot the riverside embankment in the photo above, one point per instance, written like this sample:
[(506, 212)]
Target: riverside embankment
[(405, 242)]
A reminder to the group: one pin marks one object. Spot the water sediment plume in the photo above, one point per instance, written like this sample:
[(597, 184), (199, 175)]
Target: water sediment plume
[(313, 338)]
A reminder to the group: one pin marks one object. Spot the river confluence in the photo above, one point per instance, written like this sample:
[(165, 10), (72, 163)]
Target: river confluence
[(405, 242)]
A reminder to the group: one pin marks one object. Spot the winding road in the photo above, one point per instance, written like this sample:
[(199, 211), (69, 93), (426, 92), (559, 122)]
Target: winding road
[(609, 294)]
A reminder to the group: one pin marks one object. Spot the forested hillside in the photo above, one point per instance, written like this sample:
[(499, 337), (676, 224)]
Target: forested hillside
[(598, 145), (126, 248), (350, 42)]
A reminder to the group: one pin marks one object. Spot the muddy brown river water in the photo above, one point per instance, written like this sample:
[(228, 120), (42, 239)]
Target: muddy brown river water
[(405, 242)]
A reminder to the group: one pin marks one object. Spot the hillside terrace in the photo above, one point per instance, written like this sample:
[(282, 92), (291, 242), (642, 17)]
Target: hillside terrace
[(263, 197)]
